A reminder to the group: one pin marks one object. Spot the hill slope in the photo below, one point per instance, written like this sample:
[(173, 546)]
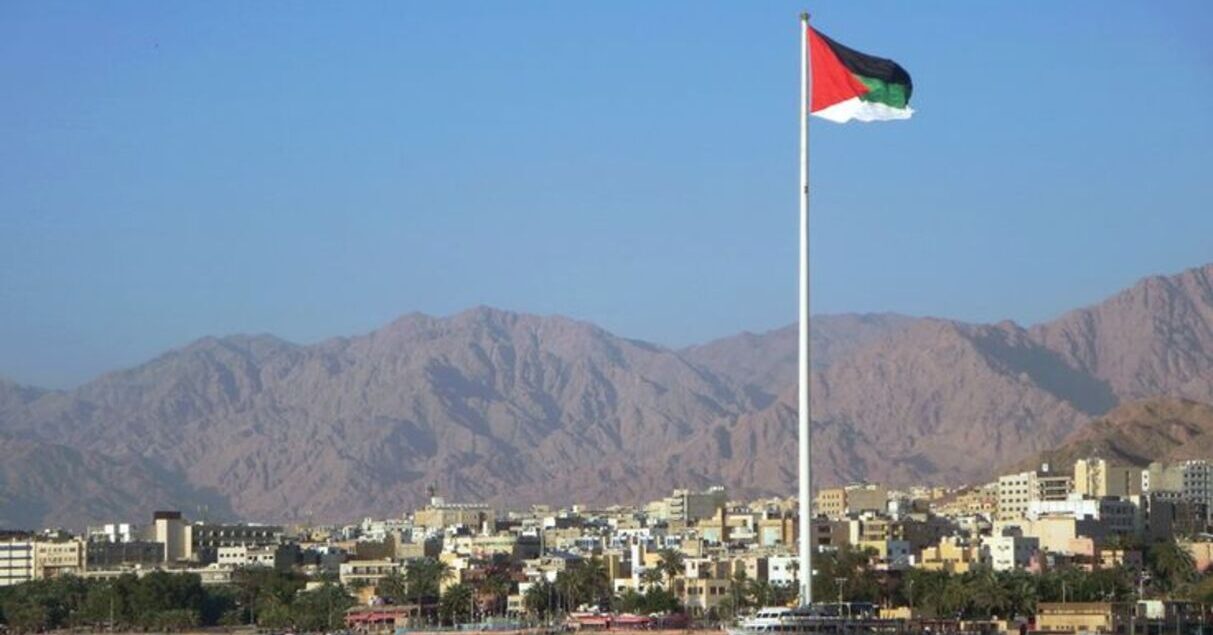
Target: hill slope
[(514, 408), (1137, 433)]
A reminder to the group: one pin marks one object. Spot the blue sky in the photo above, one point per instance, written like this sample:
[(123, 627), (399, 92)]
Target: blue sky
[(311, 169)]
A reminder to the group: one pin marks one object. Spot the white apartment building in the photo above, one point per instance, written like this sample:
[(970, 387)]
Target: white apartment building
[(16, 561), (114, 532), (1016, 491), (781, 570), (1009, 551), (1116, 516)]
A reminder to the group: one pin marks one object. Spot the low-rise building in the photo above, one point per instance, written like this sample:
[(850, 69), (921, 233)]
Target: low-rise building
[(1082, 617), (58, 557), (361, 573)]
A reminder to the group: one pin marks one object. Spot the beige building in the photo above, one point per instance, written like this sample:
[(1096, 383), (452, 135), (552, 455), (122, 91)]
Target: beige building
[(170, 529), (832, 502), (776, 531), (56, 558), (700, 595), (838, 502), (439, 515), (951, 555), (1081, 617), (361, 573), (1098, 478)]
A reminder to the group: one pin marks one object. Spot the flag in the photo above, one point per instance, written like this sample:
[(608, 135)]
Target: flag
[(850, 85)]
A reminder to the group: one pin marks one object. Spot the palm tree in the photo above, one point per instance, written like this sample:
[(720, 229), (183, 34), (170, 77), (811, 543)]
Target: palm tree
[(425, 577), (539, 599), (1172, 564), (672, 563), (652, 577), (986, 595), (456, 604), (393, 588), (1020, 589)]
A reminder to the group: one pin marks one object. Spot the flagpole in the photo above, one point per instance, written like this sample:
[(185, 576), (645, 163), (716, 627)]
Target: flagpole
[(805, 511)]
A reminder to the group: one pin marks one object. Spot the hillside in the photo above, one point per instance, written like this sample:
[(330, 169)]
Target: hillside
[(1137, 433), (513, 409)]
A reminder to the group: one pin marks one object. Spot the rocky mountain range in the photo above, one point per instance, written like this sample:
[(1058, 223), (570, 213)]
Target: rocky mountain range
[(1166, 429), (514, 409)]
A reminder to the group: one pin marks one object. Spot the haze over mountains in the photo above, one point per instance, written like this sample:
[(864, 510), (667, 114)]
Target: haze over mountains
[(515, 409)]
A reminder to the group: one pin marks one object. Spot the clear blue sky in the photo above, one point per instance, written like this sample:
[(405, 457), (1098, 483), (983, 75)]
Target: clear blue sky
[(310, 169)]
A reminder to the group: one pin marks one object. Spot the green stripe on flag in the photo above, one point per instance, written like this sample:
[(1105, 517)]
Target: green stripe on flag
[(881, 92)]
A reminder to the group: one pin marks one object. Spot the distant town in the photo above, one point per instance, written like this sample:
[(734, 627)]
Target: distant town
[(1092, 546)]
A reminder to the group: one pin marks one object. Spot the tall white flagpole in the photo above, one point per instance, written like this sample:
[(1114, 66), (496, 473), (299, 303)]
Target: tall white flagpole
[(806, 520)]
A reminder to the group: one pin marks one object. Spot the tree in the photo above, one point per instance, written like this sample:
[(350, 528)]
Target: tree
[(539, 599), (394, 588), (846, 573), (455, 606), (321, 609), (1173, 566), (584, 582), (672, 563), (652, 576), (425, 577)]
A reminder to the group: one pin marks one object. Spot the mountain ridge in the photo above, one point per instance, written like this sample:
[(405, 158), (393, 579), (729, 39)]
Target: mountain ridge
[(514, 408)]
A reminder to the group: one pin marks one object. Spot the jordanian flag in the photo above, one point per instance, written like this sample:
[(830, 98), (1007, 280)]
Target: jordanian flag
[(850, 85)]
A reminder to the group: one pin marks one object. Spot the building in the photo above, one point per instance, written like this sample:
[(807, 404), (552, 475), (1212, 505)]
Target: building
[(53, 558), (170, 529), (1016, 491), (207, 538), (361, 573), (776, 530), (1164, 515), (439, 515), (838, 502), (952, 555), (828, 534), (1115, 515), (832, 502), (1098, 478), (113, 532), (16, 560), (1192, 480), (688, 507), (1009, 550), (100, 554), (1082, 617)]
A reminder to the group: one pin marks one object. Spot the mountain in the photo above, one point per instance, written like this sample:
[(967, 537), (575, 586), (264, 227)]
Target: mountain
[(1155, 338), (44, 484), (766, 362), (1139, 432), (513, 409), (15, 397), (486, 404)]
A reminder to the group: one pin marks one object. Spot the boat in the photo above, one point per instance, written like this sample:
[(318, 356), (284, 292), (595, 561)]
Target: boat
[(826, 619)]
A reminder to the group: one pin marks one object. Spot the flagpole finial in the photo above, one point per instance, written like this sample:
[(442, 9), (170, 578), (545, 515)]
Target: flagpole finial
[(804, 16)]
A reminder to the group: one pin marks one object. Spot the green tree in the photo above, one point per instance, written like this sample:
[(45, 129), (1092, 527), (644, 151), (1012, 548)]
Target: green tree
[(455, 606), (652, 576), (672, 563), (540, 599), (394, 588), (1172, 566), (321, 609), (425, 577)]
